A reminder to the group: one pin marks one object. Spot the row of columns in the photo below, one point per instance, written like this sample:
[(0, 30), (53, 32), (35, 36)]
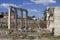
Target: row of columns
[(9, 17)]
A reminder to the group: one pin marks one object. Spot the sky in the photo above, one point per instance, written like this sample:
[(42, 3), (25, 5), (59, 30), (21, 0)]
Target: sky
[(34, 7)]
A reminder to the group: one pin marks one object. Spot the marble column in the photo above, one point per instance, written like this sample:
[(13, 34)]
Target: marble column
[(16, 19), (26, 21), (21, 22), (9, 17)]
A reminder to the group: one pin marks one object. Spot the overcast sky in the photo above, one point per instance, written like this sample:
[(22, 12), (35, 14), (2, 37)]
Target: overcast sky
[(34, 7)]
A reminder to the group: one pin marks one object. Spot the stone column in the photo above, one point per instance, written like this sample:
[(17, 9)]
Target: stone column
[(9, 17), (21, 23), (16, 19), (26, 21)]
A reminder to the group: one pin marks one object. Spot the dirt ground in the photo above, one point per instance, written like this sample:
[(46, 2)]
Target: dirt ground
[(43, 38)]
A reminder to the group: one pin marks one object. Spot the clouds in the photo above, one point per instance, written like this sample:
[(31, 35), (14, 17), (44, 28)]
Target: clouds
[(40, 2), (27, 3), (33, 10), (6, 5), (43, 1)]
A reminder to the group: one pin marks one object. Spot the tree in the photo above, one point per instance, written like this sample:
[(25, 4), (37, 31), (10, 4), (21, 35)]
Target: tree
[(1, 14), (45, 15), (33, 16), (30, 17)]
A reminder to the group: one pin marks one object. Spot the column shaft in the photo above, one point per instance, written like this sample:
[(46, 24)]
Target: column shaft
[(21, 19), (9, 17), (16, 19), (26, 21)]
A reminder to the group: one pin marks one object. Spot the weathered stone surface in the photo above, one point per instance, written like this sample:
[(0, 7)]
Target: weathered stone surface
[(54, 20)]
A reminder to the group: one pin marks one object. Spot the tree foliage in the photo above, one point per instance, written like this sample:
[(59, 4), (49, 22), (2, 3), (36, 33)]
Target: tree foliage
[(30, 17), (45, 15), (1, 14)]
